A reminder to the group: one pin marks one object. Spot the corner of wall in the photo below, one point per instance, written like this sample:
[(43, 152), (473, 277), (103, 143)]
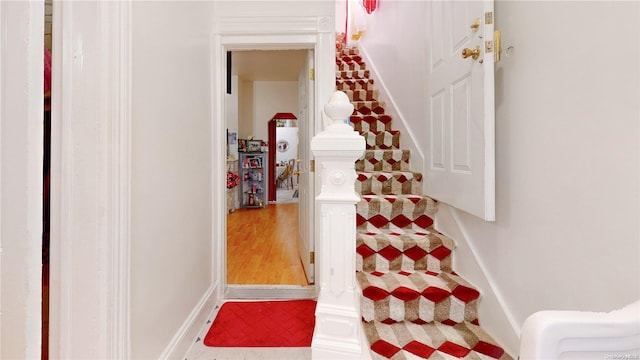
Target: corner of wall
[(495, 316)]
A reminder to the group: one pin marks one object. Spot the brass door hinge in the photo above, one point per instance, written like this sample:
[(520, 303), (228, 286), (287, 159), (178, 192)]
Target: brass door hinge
[(312, 74), (312, 257), (312, 165), (488, 18)]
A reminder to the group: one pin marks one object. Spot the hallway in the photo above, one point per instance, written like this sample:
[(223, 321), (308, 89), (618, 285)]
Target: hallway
[(262, 246), (261, 250)]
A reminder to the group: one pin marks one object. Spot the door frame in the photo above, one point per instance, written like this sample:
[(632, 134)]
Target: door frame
[(259, 33)]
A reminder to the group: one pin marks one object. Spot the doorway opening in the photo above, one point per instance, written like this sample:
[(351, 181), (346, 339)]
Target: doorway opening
[(314, 35), (262, 242), (283, 158)]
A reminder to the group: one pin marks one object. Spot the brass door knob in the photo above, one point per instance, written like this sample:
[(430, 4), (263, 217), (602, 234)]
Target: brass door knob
[(475, 53)]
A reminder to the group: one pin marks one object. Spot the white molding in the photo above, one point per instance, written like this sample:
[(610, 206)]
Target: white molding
[(59, 307), (90, 180), (2, 107), (218, 167), (270, 292), (260, 26), (259, 33), (184, 337), (120, 177)]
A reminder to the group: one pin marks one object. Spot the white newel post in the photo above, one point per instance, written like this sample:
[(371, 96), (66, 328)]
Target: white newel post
[(338, 326)]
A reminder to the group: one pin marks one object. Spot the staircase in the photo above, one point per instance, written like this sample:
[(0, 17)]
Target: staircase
[(413, 304)]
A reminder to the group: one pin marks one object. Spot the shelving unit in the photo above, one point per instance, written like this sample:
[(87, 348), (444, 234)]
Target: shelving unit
[(232, 194), (253, 180)]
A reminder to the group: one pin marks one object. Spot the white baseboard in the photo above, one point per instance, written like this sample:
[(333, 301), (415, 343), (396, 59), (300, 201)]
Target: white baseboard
[(494, 315), (188, 332)]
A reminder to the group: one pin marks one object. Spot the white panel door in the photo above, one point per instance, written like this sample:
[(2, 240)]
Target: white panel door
[(306, 194), (460, 106)]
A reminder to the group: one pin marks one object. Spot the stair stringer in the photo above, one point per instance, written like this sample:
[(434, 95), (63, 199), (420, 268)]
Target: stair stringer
[(496, 317), (408, 138)]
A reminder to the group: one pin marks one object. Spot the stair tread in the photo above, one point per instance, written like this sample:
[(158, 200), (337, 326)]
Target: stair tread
[(391, 173), (372, 117), (406, 340), (373, 151), (378, 132), (395, 197)]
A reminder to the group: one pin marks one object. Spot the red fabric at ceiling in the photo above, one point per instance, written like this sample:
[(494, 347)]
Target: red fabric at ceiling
[(284, 116), (370, 5)]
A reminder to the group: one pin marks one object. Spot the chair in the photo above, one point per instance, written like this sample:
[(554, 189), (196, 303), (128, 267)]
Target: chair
[(293, 164), (285, 177)]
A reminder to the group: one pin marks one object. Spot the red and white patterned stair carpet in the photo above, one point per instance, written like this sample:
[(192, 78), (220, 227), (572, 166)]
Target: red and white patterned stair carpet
[(413, 304)]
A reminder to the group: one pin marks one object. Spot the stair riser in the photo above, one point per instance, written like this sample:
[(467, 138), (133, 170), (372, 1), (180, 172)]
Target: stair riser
[(384, 160), (352, 75), (389, 183), (402, 263), (349, 66), (349, 52), (351, 58), (368, 107), (371, 122), (432, 341), (393, 212), (362, 95), (382, 140), (418, 311), (417, 298), (351, 84), (403, 252)]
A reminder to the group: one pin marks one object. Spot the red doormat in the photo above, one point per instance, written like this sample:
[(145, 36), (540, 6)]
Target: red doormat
[(286, 323)]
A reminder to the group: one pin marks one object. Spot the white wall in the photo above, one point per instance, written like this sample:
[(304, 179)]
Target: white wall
[(231, 107), (567, 138), (289, 134), (270, 98), (245, 111), (21, 134), (161, 167), (171, 169), (274, 8)]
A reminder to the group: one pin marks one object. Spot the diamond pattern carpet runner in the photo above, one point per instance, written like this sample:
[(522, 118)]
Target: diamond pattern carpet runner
[(413, 304), (287, 323)]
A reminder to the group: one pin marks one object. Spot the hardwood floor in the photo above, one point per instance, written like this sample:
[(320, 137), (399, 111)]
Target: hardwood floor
[(262, 246)]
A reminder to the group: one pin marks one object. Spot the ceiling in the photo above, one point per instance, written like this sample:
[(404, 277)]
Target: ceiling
[(268, 65)]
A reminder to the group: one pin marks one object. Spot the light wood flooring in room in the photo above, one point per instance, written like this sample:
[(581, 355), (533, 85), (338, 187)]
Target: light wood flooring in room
[(262, 246)]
